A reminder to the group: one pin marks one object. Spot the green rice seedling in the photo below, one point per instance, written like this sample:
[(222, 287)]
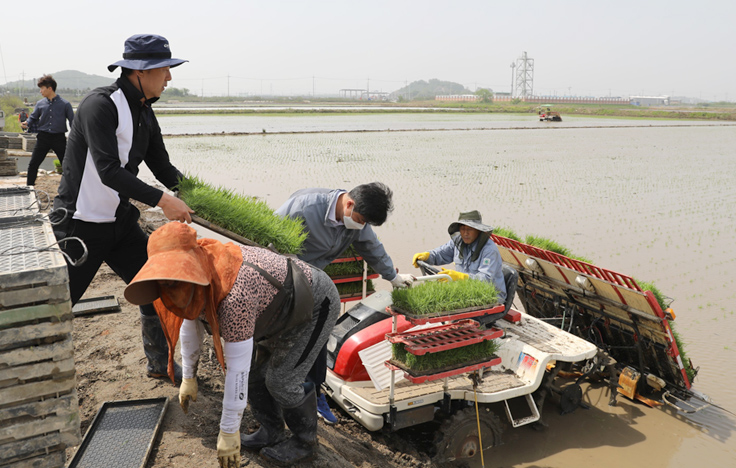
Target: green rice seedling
[(664, 303), (353, 287), (508, 233), (347, 269), (243, 215), (552, 246), (433, 297), (354, 268), (444, 359)]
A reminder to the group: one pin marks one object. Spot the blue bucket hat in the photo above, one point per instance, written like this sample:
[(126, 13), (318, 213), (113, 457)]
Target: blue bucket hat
[(146, 51)]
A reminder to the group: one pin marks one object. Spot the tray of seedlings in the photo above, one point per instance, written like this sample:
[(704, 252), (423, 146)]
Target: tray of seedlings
[(349, 267), (354, 290), (434, 302), (245, 219), (443, 337), (429, 366), (348, 272)]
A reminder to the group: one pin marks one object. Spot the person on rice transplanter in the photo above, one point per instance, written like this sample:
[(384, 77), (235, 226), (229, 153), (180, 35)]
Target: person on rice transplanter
[(274, 315), (335, 220), (474, 253), (114, 131)]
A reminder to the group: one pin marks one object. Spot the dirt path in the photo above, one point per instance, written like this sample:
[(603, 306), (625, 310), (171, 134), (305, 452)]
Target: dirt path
[(110, 366)]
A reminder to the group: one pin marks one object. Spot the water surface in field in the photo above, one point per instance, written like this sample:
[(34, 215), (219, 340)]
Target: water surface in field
[(654, 201), (452, 120)]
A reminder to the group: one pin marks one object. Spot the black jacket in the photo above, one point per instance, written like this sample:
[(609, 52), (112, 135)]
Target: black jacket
[(113, 132)]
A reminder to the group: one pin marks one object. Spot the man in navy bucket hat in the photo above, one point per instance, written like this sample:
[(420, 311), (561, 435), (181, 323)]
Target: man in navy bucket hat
[(114, 131)]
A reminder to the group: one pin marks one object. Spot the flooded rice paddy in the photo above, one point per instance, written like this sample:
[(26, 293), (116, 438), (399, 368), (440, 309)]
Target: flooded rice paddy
[(652, 199)]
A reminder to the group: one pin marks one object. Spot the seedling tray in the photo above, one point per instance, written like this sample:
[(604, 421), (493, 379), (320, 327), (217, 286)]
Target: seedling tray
[(355, 296), (437, 374), (348, 259), (458, 314), (444, 337), (121, 435), (17, 203), (351, 278)]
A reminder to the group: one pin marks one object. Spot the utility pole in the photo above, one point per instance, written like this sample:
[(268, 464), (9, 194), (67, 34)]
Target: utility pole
[(513, 65)]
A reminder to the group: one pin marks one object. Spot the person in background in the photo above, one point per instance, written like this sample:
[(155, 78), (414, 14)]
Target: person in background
[(270, 341), (114, 132), (335, 220), (474, 253), (49, 118)]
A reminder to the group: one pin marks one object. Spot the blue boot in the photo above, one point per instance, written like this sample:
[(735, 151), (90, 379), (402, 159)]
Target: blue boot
[(323, 410)]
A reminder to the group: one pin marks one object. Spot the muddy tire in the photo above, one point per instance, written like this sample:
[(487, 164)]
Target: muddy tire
[(457, 442)]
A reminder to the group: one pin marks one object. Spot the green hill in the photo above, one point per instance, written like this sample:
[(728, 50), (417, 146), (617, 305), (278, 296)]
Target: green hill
[(423, 90), (66, 80)]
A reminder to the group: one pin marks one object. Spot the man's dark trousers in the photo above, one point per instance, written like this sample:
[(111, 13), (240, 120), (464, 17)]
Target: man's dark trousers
[(44, 142)]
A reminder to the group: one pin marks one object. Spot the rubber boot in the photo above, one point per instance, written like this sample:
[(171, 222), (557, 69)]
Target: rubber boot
[(268, 413), (156, 349), (302, 421)]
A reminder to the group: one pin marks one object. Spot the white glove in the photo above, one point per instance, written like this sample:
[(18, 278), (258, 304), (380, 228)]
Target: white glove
[(228, 449), (187, 392), (402, 281)]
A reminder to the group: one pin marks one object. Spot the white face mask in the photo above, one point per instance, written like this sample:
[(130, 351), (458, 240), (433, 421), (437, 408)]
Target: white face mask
[(350, 223)]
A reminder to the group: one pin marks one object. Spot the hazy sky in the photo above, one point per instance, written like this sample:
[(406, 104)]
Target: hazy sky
[(584, 48)]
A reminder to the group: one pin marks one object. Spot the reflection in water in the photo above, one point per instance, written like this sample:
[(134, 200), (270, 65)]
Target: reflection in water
[(655, 203)]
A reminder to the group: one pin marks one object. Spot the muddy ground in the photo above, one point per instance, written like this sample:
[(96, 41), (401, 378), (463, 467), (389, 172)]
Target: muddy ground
[(110, 366)]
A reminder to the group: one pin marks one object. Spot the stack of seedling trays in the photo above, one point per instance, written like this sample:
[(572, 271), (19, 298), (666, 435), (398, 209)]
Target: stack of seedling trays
[(29, 142), (8, 166), (452, 344), (350, 273), (39, 411)]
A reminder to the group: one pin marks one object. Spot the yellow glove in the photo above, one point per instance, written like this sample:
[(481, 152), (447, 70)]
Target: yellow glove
[(424, 256), (187, 391), (228, 449), (455, 275)]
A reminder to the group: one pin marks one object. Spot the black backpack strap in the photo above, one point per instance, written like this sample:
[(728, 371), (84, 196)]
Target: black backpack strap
[(268, 275)]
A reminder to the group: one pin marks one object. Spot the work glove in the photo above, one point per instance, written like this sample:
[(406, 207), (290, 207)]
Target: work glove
[(455, 275), (424, 256), (228, 449), (187, 391), (402, 281)]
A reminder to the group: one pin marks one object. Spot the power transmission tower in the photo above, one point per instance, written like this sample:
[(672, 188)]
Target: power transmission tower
[(524, 86)]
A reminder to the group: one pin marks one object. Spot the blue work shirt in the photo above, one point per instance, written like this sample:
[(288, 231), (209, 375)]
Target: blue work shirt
[(50, 116), (486, 267), (329, 238)]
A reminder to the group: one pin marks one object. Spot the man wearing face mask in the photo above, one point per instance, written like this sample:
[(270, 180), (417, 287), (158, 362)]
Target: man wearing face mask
[(336, 219)]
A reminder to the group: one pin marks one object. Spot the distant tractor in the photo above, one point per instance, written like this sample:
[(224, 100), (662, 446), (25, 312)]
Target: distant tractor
[(546, 114)]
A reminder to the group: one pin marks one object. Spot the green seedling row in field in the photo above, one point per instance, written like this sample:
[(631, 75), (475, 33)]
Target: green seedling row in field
[(444, 359), (243, 215), (662, 300), (433, 296)]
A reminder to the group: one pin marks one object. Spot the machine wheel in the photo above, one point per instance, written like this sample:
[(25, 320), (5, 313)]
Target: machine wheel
[(457, 437)]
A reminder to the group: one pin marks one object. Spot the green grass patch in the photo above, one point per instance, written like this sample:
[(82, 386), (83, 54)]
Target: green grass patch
[(444, 359), (433, 297), (243, 215)]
